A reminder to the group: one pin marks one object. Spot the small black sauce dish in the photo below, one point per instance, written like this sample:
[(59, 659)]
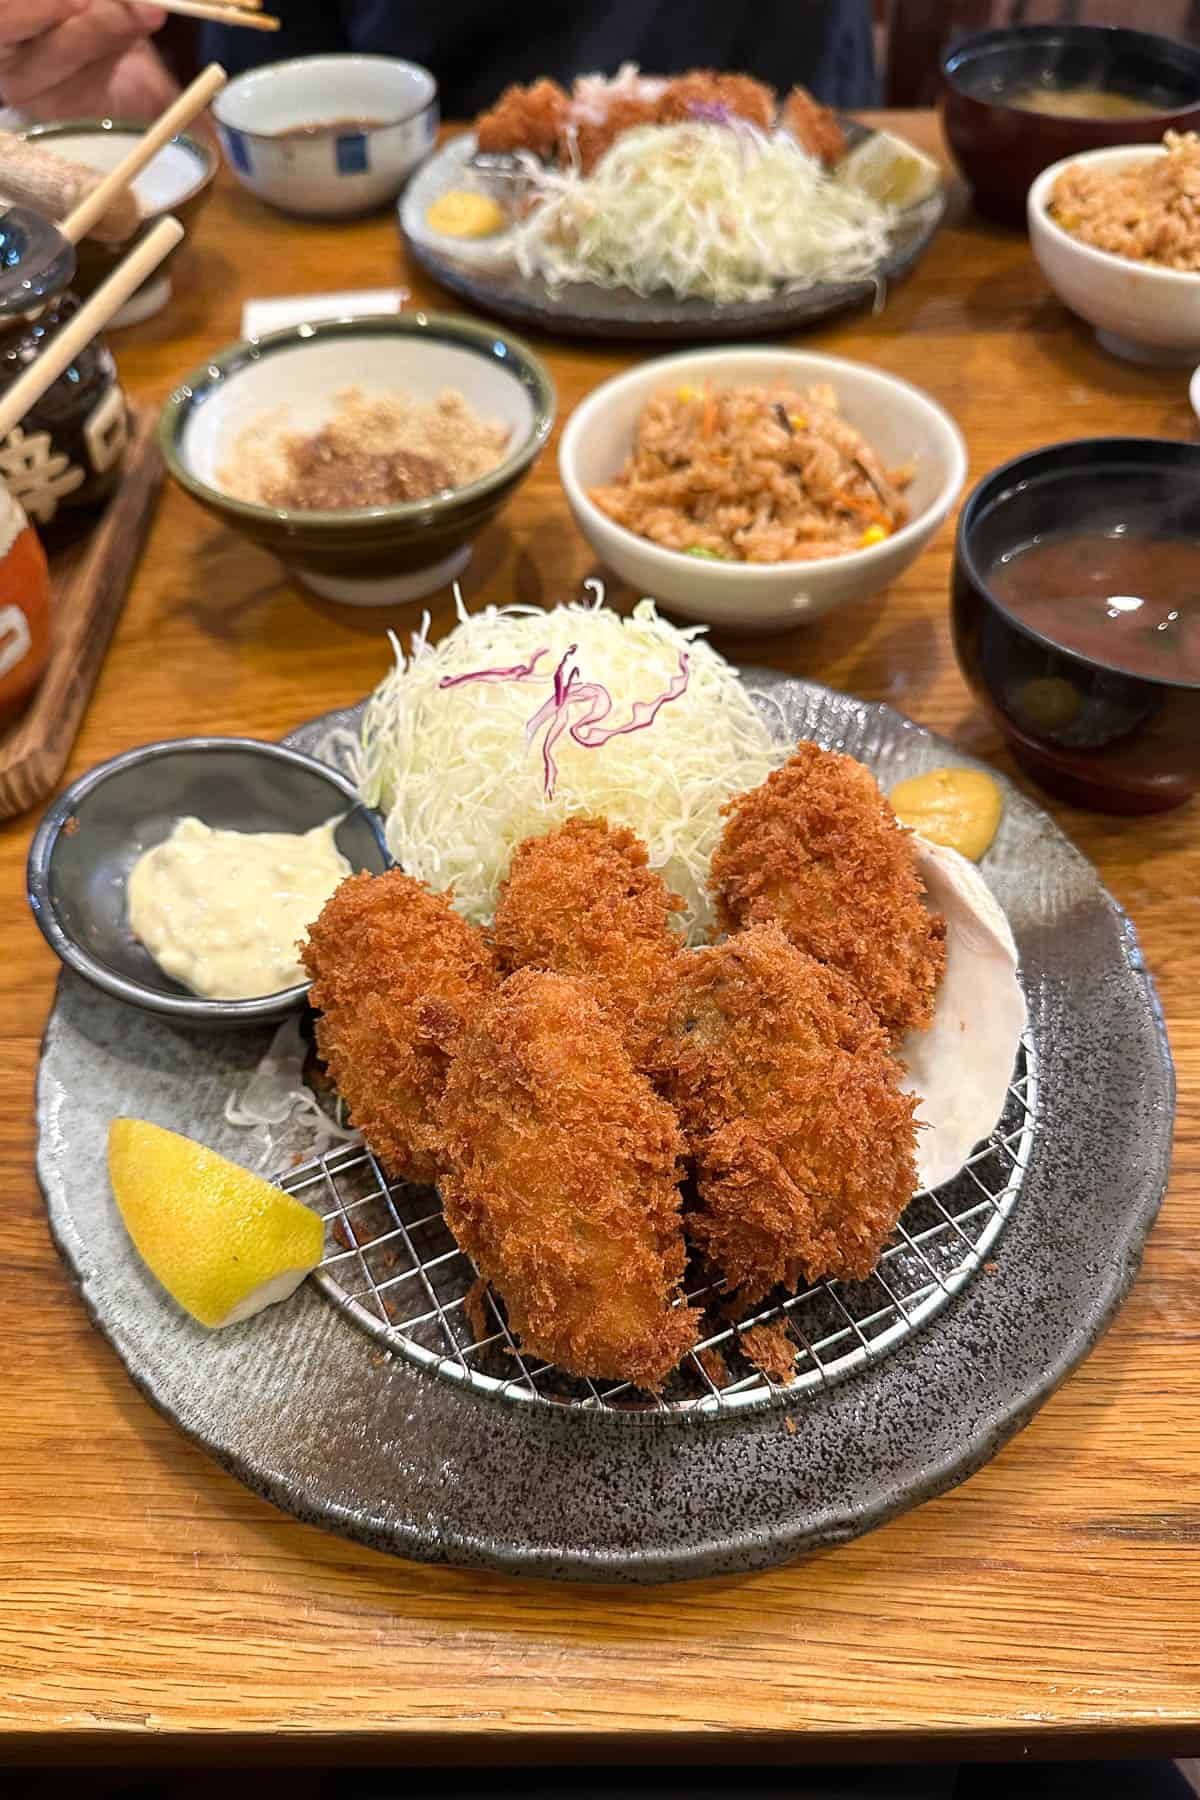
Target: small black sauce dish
[(1001, 148), (1086, 730), (93, 834)]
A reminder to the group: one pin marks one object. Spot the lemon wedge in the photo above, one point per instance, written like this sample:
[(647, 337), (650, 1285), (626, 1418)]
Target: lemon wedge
[(224, 1243), (890, 170)]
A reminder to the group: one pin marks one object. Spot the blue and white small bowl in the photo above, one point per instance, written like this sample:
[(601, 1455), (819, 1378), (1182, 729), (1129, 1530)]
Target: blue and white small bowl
[(328, 173)]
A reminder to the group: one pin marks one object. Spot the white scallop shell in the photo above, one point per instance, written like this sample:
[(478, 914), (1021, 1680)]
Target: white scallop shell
[(961, 1067)]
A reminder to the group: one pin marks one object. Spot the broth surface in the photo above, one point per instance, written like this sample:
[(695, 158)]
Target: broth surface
[(1081, 103), (1129, 601), (320, 127)]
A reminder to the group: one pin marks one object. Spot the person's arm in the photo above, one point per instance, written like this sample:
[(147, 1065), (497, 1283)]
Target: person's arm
[(64, 59)]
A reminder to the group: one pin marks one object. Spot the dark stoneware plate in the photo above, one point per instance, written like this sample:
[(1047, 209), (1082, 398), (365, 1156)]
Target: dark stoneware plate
[(485, 274), (300, 1404)]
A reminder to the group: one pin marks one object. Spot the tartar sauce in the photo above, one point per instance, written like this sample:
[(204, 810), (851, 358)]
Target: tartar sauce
[(224, 911)]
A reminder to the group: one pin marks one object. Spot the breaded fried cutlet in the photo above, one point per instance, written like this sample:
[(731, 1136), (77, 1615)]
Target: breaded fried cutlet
[(814, 127), (791, 1105), (396, 976), (524, 118), (588, 139), (740, 95), (562, 1183), (583, 901), (817, 850)]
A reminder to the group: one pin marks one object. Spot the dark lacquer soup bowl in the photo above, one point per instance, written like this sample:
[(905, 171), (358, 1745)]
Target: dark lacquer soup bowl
[(1001, 144), (1076, 617)]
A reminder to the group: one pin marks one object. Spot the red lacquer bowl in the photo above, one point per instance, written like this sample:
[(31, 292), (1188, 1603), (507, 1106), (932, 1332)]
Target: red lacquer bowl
[(1085, 729), (1002, 148)]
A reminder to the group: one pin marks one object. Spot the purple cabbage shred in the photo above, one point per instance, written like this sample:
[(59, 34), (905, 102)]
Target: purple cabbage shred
[(570, 690), (589, 731), (521, 672), (712, 112)]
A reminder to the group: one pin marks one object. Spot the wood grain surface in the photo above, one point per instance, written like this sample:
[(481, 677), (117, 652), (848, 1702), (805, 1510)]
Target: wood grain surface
[(89, 583), (151, 1607)]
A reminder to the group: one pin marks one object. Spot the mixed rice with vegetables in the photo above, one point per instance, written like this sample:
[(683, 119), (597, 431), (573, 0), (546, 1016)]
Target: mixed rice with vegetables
[(1147, 210), (754, 474)]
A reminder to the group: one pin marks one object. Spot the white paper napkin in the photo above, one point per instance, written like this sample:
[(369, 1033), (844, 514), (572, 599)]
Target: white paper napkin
[(261, 316)]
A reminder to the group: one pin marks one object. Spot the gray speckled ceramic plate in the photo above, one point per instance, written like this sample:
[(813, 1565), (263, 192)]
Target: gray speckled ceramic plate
[(485, 273), (299, 1404)]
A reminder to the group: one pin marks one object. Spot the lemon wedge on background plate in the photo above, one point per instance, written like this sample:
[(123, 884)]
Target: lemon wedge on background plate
[(224, 1243), (890, 170)]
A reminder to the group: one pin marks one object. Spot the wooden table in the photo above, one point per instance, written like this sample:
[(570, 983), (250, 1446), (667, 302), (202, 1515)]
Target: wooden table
[(149, 1606)]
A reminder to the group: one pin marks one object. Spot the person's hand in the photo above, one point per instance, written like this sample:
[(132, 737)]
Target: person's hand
[(64, 59)]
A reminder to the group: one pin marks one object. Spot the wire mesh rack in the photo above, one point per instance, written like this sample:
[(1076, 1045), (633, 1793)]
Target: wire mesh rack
[(392, 1266)]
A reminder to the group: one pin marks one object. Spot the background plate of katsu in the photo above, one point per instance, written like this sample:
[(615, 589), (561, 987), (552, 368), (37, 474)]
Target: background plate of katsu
[(488, 276), (319, 1412)]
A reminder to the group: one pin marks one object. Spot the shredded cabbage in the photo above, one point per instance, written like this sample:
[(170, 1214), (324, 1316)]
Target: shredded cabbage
[(461, 784), (722, 212), (279, 1109)]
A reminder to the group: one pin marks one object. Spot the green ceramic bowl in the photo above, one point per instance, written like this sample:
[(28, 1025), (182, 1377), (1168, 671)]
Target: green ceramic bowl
[(178, 180), (365, 556)]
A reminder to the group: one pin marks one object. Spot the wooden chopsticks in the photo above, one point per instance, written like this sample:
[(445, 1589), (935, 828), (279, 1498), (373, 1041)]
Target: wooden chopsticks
[(180, 113), (91, 318), (246, 14)]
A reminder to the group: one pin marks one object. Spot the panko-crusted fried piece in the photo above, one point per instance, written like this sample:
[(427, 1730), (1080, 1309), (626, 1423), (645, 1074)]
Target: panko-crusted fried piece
[(814, 127), (772, 1349), (524, 118), (817, 849), (791, 1104), (396, 976), (563, 1183), (738, 94), (587, 139), (583, 901)]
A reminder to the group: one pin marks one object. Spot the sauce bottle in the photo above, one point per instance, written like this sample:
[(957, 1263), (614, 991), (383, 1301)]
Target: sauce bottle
[(66, 454)]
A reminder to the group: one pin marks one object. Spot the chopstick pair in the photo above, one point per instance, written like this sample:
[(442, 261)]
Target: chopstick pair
[(129, 274), (246, 13), (91, 318), (178, 115)]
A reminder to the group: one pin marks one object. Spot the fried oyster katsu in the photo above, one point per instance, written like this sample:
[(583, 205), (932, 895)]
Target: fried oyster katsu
[(817, 850), (814, 127), (525, 118), (561, 1182), (706, 92), (396, 975), (790, 1101), (583, 901), (577, 128), (587, 139)]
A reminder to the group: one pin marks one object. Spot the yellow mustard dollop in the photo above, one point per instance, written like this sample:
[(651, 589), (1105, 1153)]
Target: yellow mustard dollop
[(957, 807), (462, 214)]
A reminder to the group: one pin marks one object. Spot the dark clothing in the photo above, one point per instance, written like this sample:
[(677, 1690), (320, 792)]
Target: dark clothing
[(476, 47)]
